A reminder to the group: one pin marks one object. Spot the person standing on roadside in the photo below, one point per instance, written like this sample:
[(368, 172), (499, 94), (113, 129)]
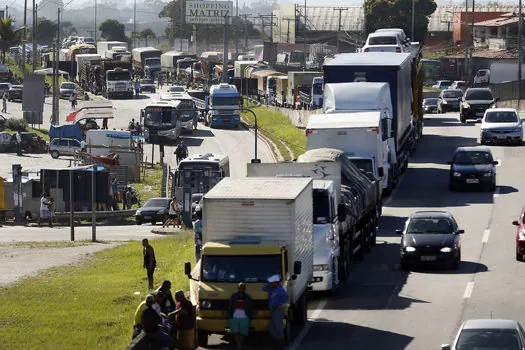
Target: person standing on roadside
[(4, 102), (197, 236), (277, 299), (150, 263), (240, 312), (137, 88), (184, 321), (18, 138), (73, 99)]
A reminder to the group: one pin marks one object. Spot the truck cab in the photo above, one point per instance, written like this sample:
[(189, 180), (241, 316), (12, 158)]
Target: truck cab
[(151, 66), (118, 83), (482, 77), (223, 105)]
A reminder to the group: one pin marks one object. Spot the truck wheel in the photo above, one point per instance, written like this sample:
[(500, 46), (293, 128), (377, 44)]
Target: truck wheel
[(202, 338), (368, 238), (360, 255)]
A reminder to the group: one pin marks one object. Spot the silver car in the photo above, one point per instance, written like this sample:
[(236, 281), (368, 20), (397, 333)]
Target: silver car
[(488, 334), (64, 147), (66, 89), (501, 125)]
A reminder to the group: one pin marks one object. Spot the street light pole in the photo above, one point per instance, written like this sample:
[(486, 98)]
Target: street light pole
[(413, 18), (465, 66), (95, 33), (34, 36), (520, 54)]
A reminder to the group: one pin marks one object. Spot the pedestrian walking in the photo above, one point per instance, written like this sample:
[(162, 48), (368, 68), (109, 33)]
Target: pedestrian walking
[(240, 313), (181, 152), (18, 138), (105, 124), (197, 235), (277, 299), (46, 210), (195, 120), (161, 80), (83, 145), (150, 263), (4, 102), (129, 198), (73, 99), (137, 88), (172, 214)]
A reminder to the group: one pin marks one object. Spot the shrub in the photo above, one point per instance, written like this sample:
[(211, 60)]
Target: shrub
[(16, 124)]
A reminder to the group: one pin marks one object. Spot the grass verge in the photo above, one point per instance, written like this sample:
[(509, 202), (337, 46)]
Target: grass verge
[(48, 244), (43, 133), (278, 127), (150, 187), (91, 305)]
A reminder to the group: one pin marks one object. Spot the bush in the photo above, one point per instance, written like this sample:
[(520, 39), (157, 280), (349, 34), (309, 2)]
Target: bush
[(16, 124)]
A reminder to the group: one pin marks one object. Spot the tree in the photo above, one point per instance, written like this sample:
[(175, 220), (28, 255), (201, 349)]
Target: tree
[(67, 29), (8, 37), (45, 31), (398, 14), (146, 34), (112, 30)]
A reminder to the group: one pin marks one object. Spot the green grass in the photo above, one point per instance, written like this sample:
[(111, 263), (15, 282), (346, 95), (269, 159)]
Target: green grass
[(43, 133), (277, 127), (91, 305), (150, 187)]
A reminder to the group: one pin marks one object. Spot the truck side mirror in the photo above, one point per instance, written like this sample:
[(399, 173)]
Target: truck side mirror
[(496, 99), (445, 347), (297, 267), (381, 172), (187, 268), (341, 212)]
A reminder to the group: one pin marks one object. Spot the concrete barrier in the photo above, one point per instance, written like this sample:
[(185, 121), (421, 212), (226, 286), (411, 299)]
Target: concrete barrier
[(299, 118)]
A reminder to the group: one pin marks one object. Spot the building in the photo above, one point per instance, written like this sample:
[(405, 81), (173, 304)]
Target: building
[(500, 33)]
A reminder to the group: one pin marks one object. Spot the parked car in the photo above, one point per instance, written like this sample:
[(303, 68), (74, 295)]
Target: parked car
[(384, 42), (2, 122), (15, 93), (488, 334), (430, 237), (472, 166), (448, 100), (154, 210), (31, 143), (66, 89), (147, 85), (520, 236), (459, 84), (5, 140), (4, 87), (442, 84), (475, 102), (63, 147), (501, 125), (430, 105)]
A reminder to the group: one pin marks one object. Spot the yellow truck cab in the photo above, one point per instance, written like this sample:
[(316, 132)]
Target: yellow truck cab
[(253, 228)]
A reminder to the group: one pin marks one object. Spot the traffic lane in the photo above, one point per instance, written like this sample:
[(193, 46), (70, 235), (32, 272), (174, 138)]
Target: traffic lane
[(403, 305), (500, 293)]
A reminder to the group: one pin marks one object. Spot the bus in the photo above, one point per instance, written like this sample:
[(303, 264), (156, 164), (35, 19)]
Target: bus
[(200, 172), (432, 70), (186, 107), (161, 119)]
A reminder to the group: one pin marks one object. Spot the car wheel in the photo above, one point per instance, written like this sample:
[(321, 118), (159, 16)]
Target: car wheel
[(153, 222), (202, 338), (492, 188), (457, 262), (519, 257), (55, 154), (482, 141)]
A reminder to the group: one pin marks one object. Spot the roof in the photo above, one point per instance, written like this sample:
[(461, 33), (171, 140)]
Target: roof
[(386, 59), (431, 213), (262, 248), (473, 149), (142, 49), (504, 20), (177, 53), (101, 109), (205, 157), (253, 188), (162, 103), (490, 323), (491, 54), (440, 19), (265, 73), (344, 120), (490, 110), (356, 96)]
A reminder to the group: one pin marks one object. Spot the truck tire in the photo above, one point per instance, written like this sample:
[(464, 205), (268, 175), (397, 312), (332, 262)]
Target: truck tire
[(367, 247), (360, 255), (301, 311), (344, 260), (202, 338)]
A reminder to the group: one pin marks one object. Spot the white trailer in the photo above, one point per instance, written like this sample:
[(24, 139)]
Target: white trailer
[(81, 58), (103, 46)]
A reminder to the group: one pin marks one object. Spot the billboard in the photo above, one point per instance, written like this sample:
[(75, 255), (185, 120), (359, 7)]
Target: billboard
[(33, 98), (208, 12)]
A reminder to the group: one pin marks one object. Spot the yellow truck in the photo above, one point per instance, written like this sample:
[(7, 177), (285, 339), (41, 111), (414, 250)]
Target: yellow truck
[(253, 228)]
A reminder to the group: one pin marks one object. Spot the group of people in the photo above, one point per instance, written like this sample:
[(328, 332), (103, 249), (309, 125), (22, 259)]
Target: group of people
[(134, 127), (181, 152)]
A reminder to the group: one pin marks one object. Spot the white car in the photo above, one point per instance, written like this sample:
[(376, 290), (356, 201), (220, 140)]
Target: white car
[(384, 42), (442, 84), (63, 147), (501, 125), (177, 88), (398, 31)]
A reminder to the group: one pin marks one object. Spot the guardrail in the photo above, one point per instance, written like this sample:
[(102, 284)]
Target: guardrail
[(101, 215)]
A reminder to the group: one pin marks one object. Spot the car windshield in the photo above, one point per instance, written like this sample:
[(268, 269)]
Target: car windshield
[(479, 95), (488, 339), (473, 157), (452, 94), (460, 84), (146, 81), (244, 268), (430, 101), (430, 225), (445, 84), (156, 203), (382, 40), (501, 117), (176, 89), (70, 86), (4, 86)]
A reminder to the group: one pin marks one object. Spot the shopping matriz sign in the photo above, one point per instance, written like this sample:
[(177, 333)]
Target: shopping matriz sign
[(208, 12)]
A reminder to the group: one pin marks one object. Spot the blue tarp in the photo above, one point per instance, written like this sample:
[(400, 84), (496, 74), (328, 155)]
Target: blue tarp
[(65, 132)]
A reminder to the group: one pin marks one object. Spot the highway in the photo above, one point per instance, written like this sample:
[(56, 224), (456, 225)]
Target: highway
[(383, 307)]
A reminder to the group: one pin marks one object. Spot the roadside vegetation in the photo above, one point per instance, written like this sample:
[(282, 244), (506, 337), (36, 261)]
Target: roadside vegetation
[(90, 305), (13, 125), (151, 185), (278, 129)]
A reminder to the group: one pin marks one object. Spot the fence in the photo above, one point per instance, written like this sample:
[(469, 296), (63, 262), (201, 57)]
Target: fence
[(508, 91)]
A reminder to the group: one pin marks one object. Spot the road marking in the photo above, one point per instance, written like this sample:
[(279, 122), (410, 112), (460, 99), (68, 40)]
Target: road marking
[(468, 290), (485, 237), (315, 315), (496, 192)]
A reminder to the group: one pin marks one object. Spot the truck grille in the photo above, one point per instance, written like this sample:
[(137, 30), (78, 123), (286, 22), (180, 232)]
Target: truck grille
[(225, 111)]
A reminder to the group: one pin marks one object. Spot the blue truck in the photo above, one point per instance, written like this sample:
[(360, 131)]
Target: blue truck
[(223, 106), (403, 73)]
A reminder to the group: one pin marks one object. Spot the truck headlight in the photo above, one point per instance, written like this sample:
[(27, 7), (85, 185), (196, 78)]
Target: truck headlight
[(466, 105), (323, 267), (456, 174), (444, 102), (138, 212), (205, 304), (521, 236), (446, 250), (410, 249)]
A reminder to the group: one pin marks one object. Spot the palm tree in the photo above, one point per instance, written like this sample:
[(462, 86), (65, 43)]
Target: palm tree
[(8, 37)]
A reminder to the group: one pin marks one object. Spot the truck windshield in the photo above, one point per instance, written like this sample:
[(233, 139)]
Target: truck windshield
[(159, 115), (152, 61), (202, 176), (225, 101), (112, 76), (246, 268), (365, 165), (321, 207), (479, 95), (184, 64)]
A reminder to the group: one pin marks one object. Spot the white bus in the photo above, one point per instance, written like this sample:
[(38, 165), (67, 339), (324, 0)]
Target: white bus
[(161, 119), (201, 172)]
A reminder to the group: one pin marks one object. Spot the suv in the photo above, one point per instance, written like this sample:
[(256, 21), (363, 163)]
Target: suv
[(475, 102), (63, 147), (459, 84), (31, 143), (16, 92), (449, 100)]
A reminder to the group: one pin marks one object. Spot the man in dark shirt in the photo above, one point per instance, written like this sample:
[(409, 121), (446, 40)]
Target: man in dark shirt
[(184, 321), (151, 337), (150, 263)]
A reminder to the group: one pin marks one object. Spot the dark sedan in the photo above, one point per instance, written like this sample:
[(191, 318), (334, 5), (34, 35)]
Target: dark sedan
[(475, 102), (430, 105), (15, 93), (449, 100), (154, 210), (472, 166), (147, 85), (430, 237)]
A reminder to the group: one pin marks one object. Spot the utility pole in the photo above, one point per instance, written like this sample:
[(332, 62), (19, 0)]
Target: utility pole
[(181, 25), (224, 74), (466, 42), (34, 36), (340, 9), (135, 21), (25, 36), (288, 29), (304, 38), (55, 114), (245, 31), (471, 51), (520, 54), (236, 29), (95, 36), (413, 18)]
